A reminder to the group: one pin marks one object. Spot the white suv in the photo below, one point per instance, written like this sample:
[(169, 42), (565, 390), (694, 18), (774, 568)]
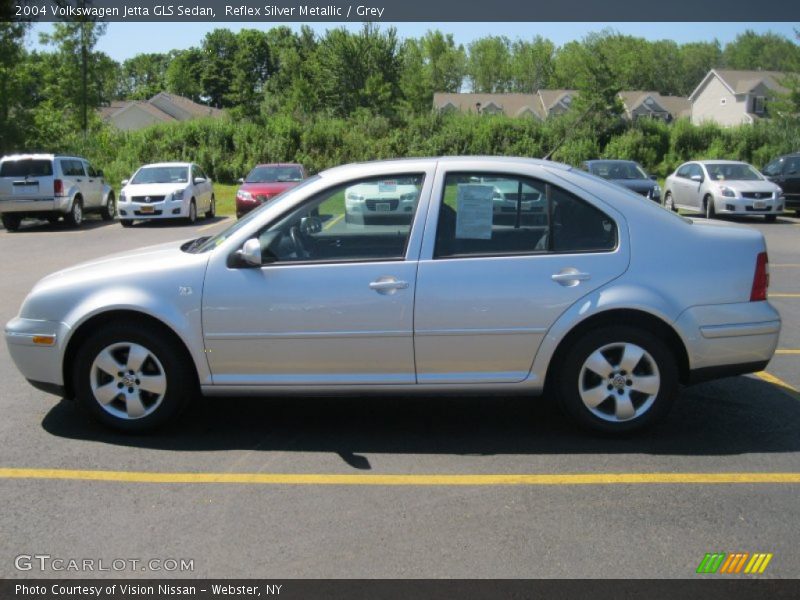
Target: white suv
[(52, 186)]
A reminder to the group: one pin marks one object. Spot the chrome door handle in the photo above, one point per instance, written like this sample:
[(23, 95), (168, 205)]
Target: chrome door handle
[(570, 277), (387, 285)]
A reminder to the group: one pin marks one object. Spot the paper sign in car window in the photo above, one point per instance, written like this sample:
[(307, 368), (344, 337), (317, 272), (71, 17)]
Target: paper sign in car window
[(474, 211), (387, 186)]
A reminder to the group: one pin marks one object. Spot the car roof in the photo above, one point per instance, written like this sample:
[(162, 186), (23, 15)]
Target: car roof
[(596, 161), (281, 164), (720, 162), (168, 164), (427, 162), (39, 156)]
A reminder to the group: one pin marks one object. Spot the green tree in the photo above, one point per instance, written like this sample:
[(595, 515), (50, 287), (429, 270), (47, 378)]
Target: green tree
[(183, 74), (489, 64), (696, 60), (532, 65), (144, 75), (767, 52), (12, 52)]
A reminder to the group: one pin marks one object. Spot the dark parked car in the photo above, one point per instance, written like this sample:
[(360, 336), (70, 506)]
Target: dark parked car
[(626, 173), (265, 182), (785, 171)]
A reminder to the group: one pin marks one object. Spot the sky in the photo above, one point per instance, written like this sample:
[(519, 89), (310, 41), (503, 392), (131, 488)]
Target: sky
[(125, 40)]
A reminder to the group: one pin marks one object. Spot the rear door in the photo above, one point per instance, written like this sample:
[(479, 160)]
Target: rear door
[(791, 181), (491, 283)]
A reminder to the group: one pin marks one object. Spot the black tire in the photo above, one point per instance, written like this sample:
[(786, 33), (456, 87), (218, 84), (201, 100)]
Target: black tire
[(109, 211), (709, 206), (571, 376), (52, 219), (126, 222), (11, 222), (770, 218), (74, 218), (166, 357), (192, 218), (668, 200), (212, 210)]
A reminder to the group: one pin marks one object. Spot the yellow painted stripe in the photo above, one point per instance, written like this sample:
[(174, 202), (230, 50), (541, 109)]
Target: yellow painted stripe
[(780, 295), (751, 564), (787, 351), (764, 564), (786, 388), (209, 226), (757, 565), (411, 480), (333, 222)]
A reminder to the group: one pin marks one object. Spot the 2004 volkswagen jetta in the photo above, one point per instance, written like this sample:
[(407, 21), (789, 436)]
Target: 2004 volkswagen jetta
[(589, 293)]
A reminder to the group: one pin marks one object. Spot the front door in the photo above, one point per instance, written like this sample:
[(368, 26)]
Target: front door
[(334, 303), (509, 255)]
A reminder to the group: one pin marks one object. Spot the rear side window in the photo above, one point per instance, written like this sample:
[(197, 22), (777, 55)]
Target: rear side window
[(26, 168), (793, 166), (72, 168), (490, 215)]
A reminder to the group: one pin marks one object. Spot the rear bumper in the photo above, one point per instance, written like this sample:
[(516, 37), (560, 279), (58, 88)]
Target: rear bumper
[(35, 205), (729, 339)]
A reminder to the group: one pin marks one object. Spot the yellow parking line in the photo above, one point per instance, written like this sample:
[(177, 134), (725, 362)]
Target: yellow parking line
[(786, 266), (333, 222), (787, 351), (777, 381), (406, 480), (210, 225), (784, 295)]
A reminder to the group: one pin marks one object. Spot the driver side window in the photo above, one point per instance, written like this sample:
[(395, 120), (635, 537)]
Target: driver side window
[(362, 220)]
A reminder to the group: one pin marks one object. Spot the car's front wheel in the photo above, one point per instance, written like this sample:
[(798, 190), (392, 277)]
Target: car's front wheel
[(132, 377), (192, 218), (669, 203), (711, 210), (618, 379)]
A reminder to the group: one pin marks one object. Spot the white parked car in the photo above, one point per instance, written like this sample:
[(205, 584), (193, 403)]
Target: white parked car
[(166, 191), (48, 186), (722, 187), (294, 299), (389, 200)]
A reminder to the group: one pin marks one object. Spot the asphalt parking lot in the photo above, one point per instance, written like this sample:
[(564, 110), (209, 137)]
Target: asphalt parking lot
[(435, 487)]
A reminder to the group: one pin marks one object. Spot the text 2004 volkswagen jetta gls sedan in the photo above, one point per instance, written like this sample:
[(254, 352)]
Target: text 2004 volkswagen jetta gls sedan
[(595, 296)]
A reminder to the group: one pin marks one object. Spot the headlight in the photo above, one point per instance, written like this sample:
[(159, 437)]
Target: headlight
[(727, 192), (356, 197), (777, 194), (178, 195), (246, 196), (410, 197), (122, 197)]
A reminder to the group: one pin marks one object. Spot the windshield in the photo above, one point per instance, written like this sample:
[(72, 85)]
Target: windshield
[(27, 167), (223, 235), (735, 172), (161, 175), (272, 174), (618, 170)]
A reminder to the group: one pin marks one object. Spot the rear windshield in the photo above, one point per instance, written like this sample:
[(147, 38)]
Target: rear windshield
[(27, 167)]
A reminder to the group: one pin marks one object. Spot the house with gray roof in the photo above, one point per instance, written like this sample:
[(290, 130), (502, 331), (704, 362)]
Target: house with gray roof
[(162, 108), (650, 104), (735, 97)]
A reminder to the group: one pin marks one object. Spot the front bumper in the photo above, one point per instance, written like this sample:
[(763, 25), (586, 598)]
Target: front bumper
[(726, 335), (747, 206), (166, 209), (36, 347)]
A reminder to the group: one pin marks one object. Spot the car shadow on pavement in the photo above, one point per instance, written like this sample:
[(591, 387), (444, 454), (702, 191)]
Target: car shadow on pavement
[(732, 416), (89, 222), (176, 222)]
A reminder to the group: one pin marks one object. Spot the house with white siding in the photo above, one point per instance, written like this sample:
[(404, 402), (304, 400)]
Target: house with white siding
[(735, 97)]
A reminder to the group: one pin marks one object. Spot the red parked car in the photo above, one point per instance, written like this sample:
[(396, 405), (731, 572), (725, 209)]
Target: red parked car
[(265, 182)]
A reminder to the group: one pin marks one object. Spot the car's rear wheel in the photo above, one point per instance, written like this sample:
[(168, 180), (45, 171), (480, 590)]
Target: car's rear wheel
[(132, 377), (212, 209), (711, 211), (11, 222), (110, 209), (617, 379), (74, 217), (669, 203)]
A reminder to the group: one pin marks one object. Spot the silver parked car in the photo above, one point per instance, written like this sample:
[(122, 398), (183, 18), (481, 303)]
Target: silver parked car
[(722, 187), (583, 302), (166, 191), (52, 186)]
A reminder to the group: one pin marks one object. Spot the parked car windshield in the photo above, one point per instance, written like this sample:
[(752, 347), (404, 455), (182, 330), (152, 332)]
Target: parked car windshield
[(618, 170), (213, 242), (27, 167), (735, 172), (161, 175), (273, 174)]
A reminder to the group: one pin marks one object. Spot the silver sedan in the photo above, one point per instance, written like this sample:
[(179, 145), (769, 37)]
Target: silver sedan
[(581, 302), (722, 187)]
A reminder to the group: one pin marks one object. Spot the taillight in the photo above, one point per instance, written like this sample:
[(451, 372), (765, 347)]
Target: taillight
[(760, 278), (58, 187)]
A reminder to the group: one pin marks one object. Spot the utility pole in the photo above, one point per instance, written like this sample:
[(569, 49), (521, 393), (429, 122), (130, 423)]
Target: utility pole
[(84, 75)]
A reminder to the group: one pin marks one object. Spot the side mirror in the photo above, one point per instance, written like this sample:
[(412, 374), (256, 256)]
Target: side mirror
[(124, 182), (240, 180), (250, 253), (199, 180), (697, 178)]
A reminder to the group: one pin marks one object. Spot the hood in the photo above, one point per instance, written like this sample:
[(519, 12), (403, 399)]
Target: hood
[(637, 185), (270, 187), (152, 189)]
